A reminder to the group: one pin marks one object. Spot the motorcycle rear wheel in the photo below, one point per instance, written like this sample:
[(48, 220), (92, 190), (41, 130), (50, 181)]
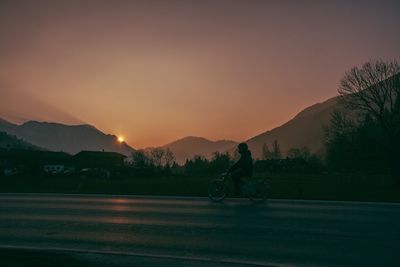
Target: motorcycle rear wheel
[(261, 192)]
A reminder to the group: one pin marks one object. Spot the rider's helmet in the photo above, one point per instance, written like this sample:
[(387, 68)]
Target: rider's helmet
[(242, 147)]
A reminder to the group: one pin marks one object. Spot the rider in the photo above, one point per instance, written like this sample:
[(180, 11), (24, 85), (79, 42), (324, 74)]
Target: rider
[(242, 168)]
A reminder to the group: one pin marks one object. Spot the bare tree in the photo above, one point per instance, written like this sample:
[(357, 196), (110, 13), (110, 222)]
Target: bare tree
[(276, 150), (339, 124), (266, 153), (373, 91), (157, 155), (140, 159), (299, 153), (169, 158)]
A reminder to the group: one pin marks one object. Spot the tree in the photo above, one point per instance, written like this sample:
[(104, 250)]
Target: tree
[(266, 153), (157, 155), (140, 159), (299, 153), (196, 165), (220, 162), (356, 147), (276, 150), (169, 158), (373, 89), (372, 92)]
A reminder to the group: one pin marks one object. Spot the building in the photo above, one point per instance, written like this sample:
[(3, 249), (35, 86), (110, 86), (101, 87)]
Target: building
[(38, 162), (98, 163), (20, 161)]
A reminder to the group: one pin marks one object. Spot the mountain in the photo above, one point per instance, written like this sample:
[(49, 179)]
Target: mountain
[(12, 142), (306, 129), (188, 147), (68, 138), (7, 127)]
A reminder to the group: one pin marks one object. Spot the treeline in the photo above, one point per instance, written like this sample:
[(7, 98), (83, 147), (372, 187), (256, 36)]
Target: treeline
[(363, 136), (297, 160), (356, 146), (159, 161), (364, 133), (162, 161)]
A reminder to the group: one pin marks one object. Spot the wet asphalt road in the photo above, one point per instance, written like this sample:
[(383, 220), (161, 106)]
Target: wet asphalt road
[(99, 230)]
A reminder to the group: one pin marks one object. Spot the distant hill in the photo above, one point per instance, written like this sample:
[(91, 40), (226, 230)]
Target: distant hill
[(7, 127), (305, 129), (12, 142), (68, 138), (188, 147)]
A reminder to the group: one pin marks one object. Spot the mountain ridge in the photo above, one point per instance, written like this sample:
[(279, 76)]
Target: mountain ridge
[(8, 141), (305, 129), (67, 138), (190, 146)]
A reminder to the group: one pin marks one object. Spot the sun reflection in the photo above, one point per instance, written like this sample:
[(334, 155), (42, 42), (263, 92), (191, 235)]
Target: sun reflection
[(119, 204), (119, 201)]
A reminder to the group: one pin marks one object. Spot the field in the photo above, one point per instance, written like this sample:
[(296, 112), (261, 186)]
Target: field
[(289, 186)]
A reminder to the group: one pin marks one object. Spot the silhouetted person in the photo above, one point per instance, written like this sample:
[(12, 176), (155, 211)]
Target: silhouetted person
[(242, 168)]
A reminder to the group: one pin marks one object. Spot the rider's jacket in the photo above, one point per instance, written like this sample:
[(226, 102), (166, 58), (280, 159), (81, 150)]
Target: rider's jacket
[(244, 167)]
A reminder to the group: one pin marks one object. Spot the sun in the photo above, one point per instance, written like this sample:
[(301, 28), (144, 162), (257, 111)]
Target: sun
[(121, 139)]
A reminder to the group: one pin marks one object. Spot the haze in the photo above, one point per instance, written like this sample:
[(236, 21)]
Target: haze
[(155, 71)]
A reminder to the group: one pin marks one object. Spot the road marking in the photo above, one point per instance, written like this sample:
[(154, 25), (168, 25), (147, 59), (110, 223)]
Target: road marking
[(148, 255)]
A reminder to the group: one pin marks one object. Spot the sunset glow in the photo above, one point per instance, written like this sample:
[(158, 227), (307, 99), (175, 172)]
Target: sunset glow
[(121, 139), (161, 70)]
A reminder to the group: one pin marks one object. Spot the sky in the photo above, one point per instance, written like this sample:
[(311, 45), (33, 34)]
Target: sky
[(156, 71)]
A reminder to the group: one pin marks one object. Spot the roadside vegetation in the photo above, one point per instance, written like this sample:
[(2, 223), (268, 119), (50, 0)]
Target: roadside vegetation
[(354, 187)]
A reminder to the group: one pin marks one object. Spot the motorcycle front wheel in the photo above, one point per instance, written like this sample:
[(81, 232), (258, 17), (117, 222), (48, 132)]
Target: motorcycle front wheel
[(217, 190)]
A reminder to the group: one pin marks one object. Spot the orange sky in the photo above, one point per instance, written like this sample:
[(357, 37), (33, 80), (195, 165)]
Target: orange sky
[(156, 71)]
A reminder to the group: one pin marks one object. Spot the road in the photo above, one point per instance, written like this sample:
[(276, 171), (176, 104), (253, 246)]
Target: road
[(92, 230)]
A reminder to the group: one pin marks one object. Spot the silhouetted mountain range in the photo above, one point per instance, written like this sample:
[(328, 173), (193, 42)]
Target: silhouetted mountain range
[(306, 129), (68, 138), (12, 142), (188, 147)]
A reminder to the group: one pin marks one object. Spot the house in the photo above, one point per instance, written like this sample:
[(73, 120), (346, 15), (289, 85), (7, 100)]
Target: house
[(98, 163), (56, 169), (38, 162), (22, 161)]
